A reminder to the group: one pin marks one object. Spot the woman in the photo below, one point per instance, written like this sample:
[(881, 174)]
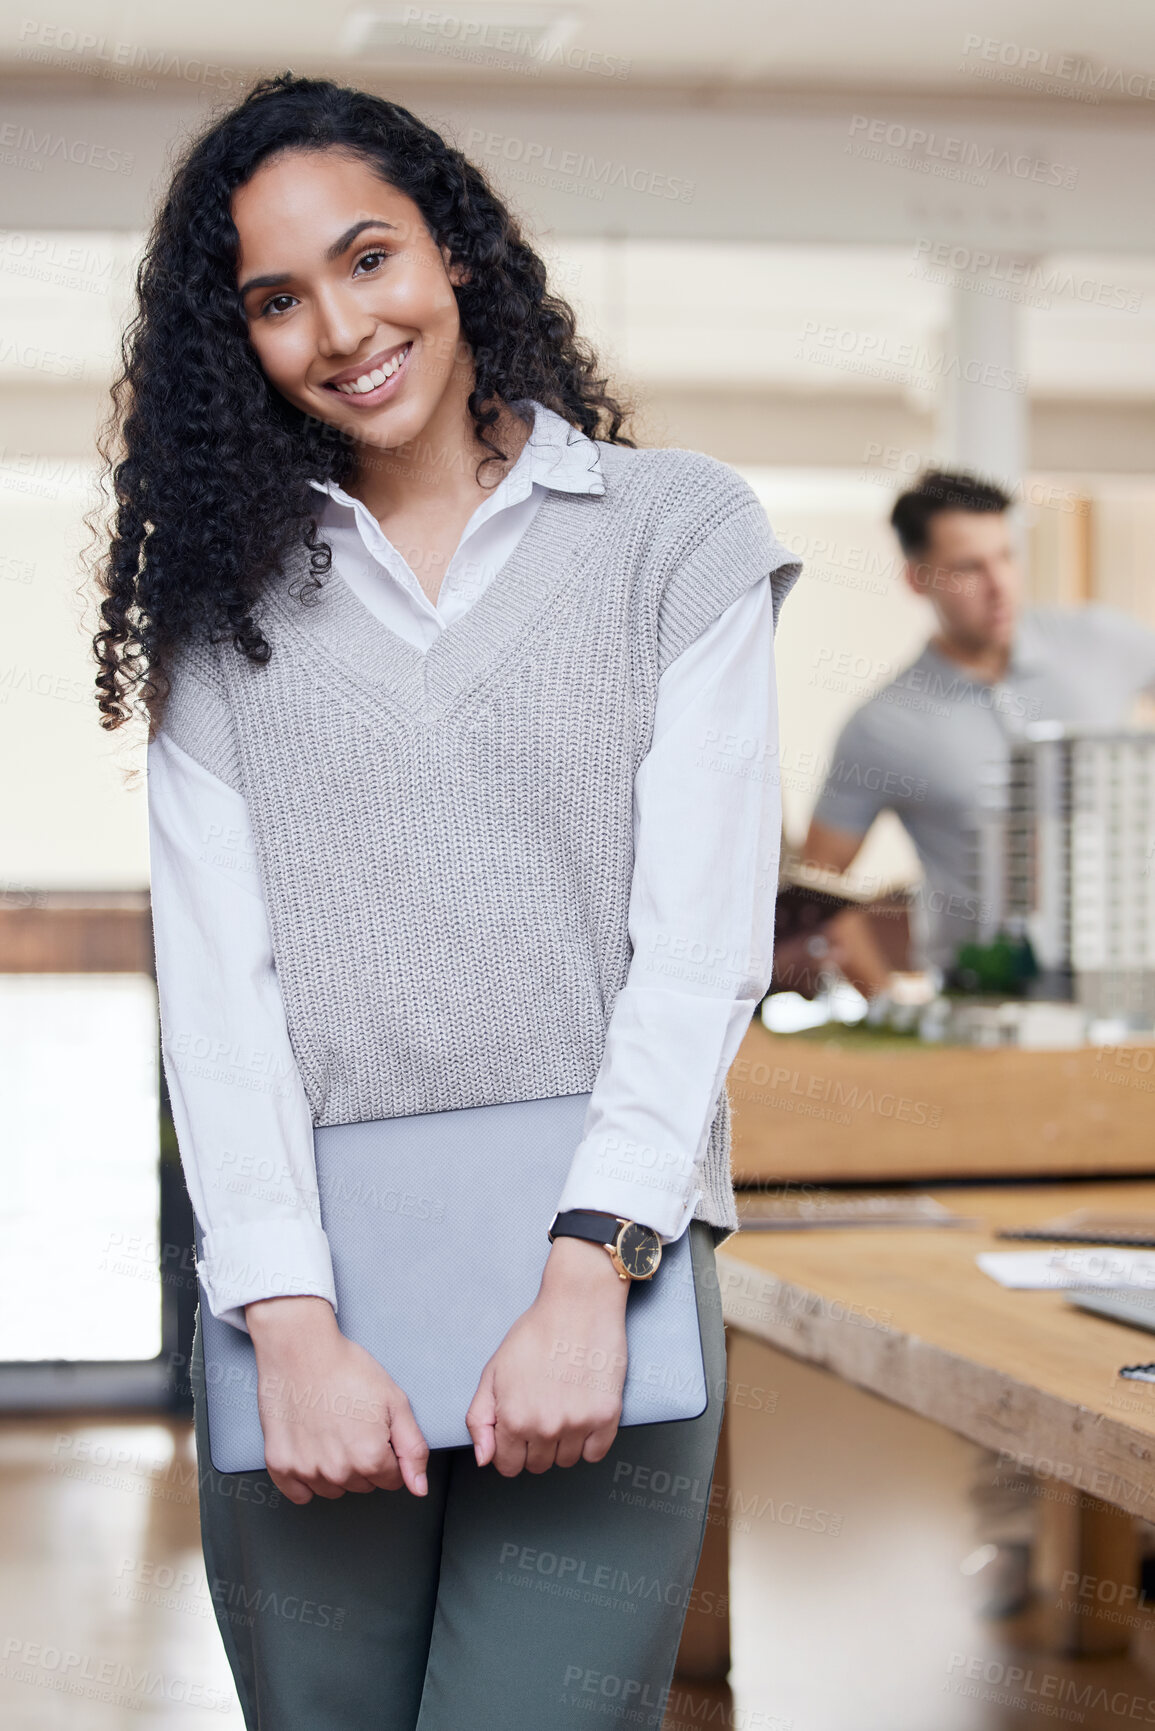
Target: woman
[(462, 789)]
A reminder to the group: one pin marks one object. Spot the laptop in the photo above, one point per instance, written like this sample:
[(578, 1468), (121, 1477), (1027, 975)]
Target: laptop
[(437, 1225)]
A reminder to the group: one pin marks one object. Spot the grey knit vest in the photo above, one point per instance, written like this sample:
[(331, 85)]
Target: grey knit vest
[(444, 839)]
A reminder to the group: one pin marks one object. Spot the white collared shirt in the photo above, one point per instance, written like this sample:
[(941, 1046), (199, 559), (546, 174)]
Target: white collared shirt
[(707, 829)]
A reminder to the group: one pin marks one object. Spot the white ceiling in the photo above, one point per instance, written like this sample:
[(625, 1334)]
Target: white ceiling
[(729, 45), (679, 307)]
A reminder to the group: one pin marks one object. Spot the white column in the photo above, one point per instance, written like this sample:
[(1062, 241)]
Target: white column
[(983, 425)]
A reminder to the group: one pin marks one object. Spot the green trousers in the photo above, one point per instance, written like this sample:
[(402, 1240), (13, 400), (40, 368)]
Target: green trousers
[(530, 1603)]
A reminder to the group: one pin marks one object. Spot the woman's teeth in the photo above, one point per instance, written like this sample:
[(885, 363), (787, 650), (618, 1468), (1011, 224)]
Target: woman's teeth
[(370, 381)]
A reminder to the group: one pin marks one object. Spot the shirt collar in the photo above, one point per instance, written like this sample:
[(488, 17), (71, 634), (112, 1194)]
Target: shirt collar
[(1027, 652), (1027, 648), (556, 455)]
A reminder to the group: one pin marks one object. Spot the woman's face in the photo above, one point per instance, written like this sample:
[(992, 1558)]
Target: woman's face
[(348, 299)]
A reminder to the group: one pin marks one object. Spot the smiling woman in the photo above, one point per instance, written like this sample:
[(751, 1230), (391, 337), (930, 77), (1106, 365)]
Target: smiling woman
[(321, 307), (383, 291), (428, 650), (313, 232)]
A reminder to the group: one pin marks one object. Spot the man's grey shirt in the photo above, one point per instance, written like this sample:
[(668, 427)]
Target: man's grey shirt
[(920, 747)]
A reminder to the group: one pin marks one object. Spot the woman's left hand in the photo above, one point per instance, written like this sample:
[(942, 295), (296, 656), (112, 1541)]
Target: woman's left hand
[(551, 1395)]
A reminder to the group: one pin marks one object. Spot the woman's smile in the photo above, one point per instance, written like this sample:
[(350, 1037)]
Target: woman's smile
[(374, 380)]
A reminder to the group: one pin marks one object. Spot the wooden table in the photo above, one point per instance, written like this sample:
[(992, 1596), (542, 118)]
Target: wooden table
[(844, 1108), (907, 1314)]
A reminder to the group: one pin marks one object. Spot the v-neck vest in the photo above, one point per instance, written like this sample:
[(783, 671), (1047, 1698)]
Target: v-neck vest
[(444, 839)]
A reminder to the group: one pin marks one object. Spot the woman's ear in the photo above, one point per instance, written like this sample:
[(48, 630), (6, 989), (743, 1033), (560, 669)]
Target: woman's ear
[(457, 273)]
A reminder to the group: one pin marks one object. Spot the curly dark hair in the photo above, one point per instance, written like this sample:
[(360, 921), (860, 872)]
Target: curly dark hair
[(209, 465)]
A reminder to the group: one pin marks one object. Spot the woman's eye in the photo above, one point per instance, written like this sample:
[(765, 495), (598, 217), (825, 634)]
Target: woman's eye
[(269, 305), (271, 309)]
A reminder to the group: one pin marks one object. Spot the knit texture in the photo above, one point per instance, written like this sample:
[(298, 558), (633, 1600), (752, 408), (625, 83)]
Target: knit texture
[(444, 839)]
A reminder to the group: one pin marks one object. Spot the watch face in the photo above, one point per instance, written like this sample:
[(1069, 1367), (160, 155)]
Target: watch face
[(640, 1250)]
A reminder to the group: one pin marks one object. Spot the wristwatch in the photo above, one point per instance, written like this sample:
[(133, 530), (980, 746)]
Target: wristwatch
[(634, 1250)]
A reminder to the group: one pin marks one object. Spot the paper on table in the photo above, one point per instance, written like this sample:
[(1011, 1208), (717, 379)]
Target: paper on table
[(1043, 1269), (761, 1213)]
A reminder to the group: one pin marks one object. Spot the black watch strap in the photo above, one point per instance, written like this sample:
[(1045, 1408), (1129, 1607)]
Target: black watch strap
[(584, 1223)]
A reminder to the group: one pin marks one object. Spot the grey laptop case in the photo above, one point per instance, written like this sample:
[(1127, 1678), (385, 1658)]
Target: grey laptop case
[(437, 1227)]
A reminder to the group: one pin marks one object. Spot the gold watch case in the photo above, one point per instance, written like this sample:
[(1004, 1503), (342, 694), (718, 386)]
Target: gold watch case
[(635, 1251)]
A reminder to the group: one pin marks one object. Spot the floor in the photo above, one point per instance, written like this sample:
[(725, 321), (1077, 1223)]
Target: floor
[(850, 1611)]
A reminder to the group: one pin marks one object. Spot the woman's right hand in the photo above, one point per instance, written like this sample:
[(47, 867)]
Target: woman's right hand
[(333, 1419)]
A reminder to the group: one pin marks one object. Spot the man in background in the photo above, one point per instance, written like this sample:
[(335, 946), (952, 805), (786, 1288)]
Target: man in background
[(919, 748), (992, 667)]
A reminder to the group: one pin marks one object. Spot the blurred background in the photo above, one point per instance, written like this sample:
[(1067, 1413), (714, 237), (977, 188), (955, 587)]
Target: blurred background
[(831, 245)]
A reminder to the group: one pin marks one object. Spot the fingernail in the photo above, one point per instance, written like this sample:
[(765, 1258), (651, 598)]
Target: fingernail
[(421, 1484)]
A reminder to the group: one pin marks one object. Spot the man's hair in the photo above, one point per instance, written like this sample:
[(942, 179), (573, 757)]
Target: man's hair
[(938, 491)]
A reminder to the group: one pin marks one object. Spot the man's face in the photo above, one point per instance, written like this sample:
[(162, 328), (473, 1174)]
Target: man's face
[(971, 574)]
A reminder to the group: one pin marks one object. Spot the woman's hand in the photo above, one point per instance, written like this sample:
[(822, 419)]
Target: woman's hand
[(551, 1395), (333, 1419)]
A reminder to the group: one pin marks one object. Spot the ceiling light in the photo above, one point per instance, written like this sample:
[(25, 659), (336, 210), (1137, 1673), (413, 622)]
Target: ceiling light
[(416, 32)]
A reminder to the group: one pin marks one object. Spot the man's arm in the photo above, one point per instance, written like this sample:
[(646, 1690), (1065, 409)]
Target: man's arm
[(853, 947), (834, 846), (831, 849)]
